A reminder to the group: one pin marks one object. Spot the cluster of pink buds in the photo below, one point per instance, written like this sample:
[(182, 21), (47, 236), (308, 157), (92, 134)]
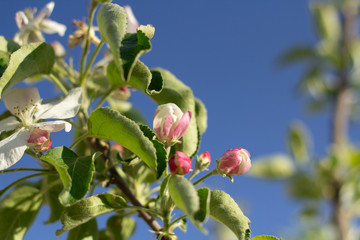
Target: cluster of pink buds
[(234, 162)]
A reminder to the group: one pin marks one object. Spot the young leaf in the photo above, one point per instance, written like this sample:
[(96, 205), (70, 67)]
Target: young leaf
[(184, 195), (265, 237), (88, 230), (86, 209), (204, 196), (298, 142), (133, 46), (75, 173), (225, 210), (273, 167), (18, 210), (141, 78), (109, 124), (201, 115), (161, 154), (119, 227), (8, 45), (112, 22), (29, 60), (51, 197)]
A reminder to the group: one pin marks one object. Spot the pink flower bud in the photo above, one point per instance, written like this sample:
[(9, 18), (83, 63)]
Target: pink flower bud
[(203, 161), (124, 153), (170, 123), (180, 163), (39, 140), (234, 162)]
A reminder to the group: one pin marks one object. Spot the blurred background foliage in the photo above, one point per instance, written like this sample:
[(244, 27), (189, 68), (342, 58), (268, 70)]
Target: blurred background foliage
[(327, 187)]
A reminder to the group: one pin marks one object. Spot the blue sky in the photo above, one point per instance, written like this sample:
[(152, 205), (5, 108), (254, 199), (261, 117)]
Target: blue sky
[(226, 52)]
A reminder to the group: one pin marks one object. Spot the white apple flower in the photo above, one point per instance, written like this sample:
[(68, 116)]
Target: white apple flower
[(132, 24), (25, 105), (31, 26)]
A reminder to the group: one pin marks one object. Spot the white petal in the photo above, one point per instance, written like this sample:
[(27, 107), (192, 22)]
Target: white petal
[(50, 27), (8, 124), (21, 19), (53, 126), (21, 98), (45, 12), (12, 148), (65, 108), (132, 22)]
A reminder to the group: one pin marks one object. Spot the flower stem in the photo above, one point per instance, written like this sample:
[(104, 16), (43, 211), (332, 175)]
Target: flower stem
[(93, 6), (24, 169), (78, 140), (58, 83), (23, 179), (92, 59), (212, 172)]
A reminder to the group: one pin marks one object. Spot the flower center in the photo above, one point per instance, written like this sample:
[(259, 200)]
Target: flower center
[(26, 113)]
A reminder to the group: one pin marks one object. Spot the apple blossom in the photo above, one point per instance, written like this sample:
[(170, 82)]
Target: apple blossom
[(31, 26), (132, 24), (25, 105), (180, 163), (79, 34), (234, 162), (170, 123)]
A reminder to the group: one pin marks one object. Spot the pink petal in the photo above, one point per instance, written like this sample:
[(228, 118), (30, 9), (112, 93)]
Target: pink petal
[(182, 125)]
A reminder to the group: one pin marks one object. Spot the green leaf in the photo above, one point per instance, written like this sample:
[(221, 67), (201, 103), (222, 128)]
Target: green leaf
[(302, 186), (298, 142), (4, 61), (120, 228), (161, 154), (204, 196), (18, 210), (298, 54), (85, 231), (89, 208), (134, 46), (8, 45), (184, 195), (265, 237), (327, 20), (273, 167), (141, 78), (75, 173), (51, 197), (201, 115), (112, 22), (109, 124), (29, 60), (225, 210), (128, 110)]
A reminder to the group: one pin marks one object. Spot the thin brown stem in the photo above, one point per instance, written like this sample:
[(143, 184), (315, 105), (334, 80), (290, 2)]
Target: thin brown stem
[(97, 145)]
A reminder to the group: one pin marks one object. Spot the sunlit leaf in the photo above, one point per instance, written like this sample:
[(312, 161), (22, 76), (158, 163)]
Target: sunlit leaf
[(8, 45), (201, 115), (112, 22), (106, 123), (89, 208), (273, 167), (204, 196), (225, 210), (298, 142), (265, 237), (85, 231), (18, 210), (75, 173), (29, 60)]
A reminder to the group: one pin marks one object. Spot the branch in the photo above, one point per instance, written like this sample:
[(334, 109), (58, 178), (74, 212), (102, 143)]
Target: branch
[(97, 145)]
